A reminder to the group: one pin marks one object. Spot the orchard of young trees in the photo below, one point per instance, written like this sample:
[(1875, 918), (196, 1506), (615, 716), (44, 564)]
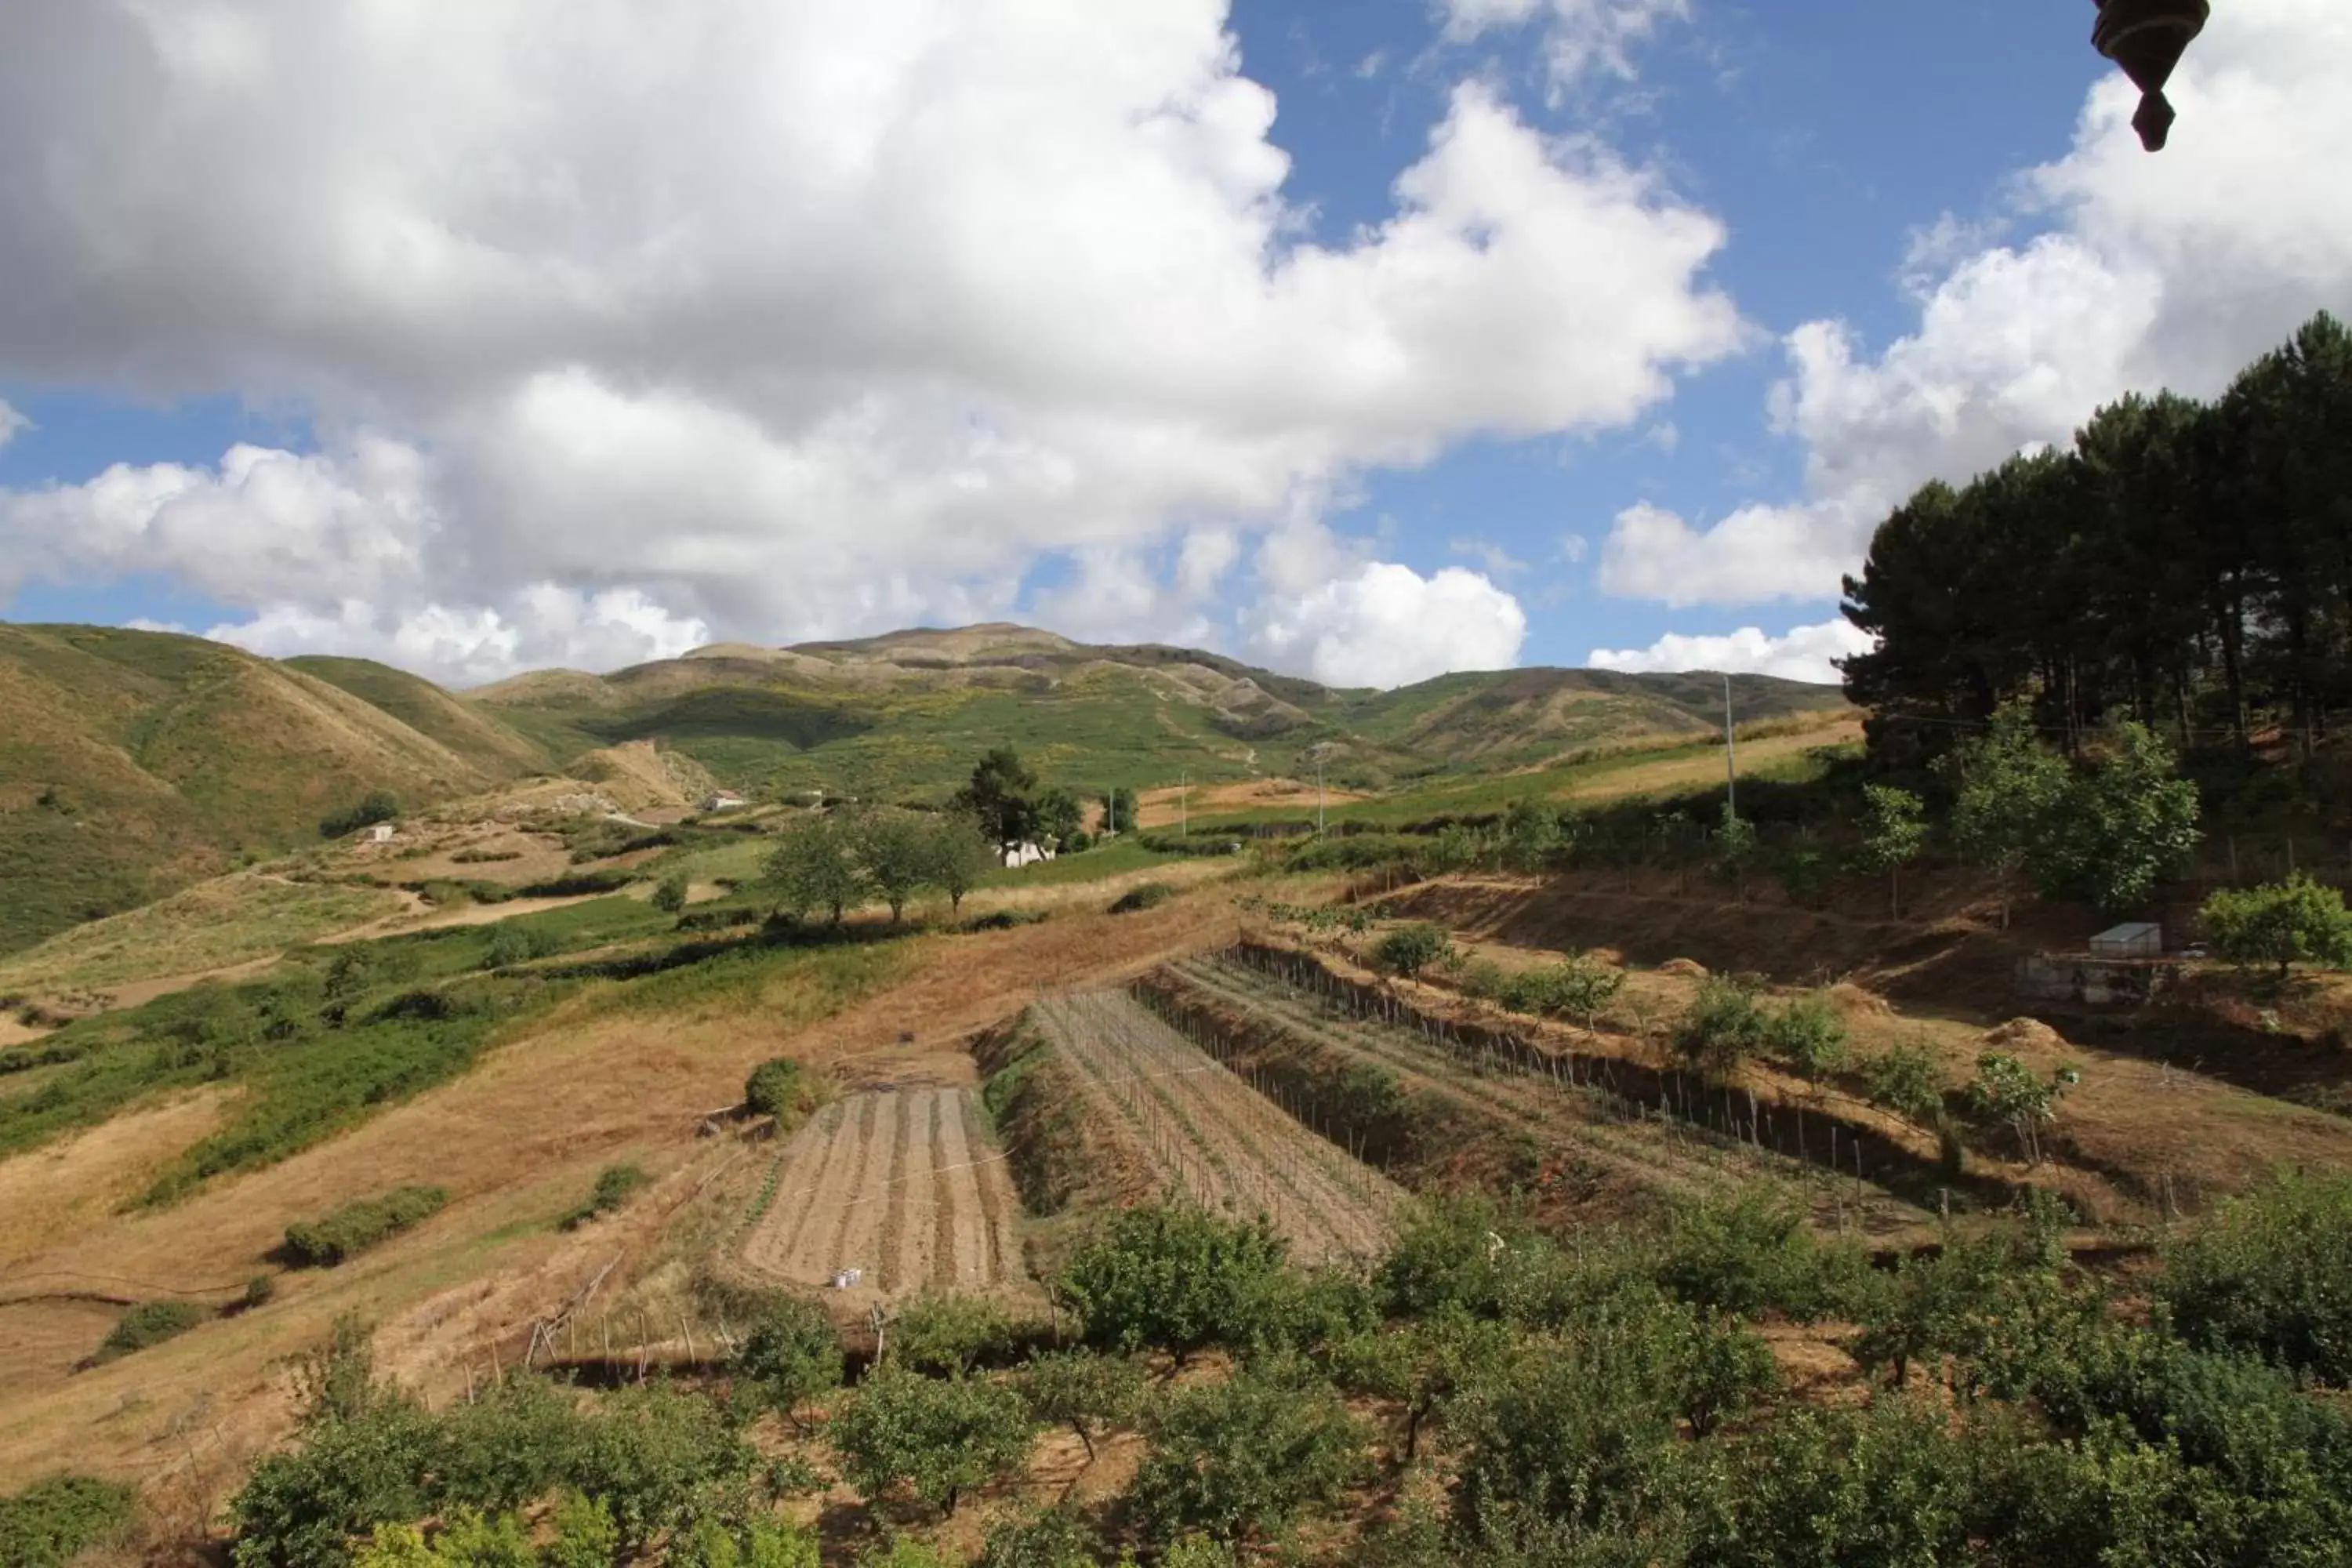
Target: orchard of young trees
[(1482, 1395), (2184, 564)]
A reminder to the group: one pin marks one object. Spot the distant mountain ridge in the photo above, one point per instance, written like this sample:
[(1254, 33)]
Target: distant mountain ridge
[(904, 711), (134, 763)]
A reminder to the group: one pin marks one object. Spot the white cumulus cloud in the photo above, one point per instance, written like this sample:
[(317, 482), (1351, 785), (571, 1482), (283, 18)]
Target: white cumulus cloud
[(1581, 37), (11, 421), (1386, 624), (1802, 653), (2171, 270), (905, 298)]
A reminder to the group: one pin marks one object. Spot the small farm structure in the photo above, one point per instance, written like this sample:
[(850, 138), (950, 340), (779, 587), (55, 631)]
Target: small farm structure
[(2140, 939), (724, 801), (380, 833), (1024, 854)]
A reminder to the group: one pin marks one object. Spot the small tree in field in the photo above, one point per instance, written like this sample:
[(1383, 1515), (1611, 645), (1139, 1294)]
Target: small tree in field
[(1240, 1460), (669, 896), (1083, 1390), (1735, 846), (2010, 790), (2006, 1092), (793, 1356), (1722, 1027), (817, 867), (894, 848), (2295, 922), (959, 856), (1410, 949), (1894, 830), (940, 1438)]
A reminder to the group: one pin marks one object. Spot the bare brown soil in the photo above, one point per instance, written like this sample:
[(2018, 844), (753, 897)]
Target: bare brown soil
[(1212, 1137), (1165, 807), (902, 1185)]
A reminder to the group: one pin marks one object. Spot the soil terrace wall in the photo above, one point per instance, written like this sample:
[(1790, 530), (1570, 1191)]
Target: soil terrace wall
[(1765, 1118)]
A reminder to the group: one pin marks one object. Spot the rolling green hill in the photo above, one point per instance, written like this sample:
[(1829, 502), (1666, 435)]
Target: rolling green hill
[(132, 764), (902, 715)]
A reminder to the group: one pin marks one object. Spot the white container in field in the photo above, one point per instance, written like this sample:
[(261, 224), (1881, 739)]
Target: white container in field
[(2138, 939)]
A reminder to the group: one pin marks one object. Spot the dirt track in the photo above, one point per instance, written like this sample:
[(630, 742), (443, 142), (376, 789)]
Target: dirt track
[(902, 1184), (1212, 1137)]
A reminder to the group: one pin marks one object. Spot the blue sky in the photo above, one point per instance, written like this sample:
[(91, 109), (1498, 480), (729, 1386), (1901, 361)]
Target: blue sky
[(508, 395)]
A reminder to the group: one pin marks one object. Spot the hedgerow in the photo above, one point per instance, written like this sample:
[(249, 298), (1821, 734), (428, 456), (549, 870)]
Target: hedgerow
[(357, 1226)]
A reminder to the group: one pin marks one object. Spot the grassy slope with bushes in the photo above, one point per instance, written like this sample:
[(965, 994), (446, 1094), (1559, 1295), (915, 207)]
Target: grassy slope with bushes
[(135, 762), (346, 1030)]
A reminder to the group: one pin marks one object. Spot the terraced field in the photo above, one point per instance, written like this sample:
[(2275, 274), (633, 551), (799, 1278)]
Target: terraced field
[(1617, 1143), (903, 1186), (1213, 1139)]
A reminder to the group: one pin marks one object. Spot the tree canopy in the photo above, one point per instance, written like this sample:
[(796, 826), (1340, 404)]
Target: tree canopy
[(2183, 564)]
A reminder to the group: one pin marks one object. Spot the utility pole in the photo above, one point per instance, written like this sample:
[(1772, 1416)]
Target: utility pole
[(1183, 805), (1730, 754), (1319, 791)]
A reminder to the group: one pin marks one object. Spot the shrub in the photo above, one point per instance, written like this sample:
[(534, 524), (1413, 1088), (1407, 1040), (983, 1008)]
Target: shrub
[(576, 884), (511, 943), (1410, 948), (149, 1323), (378, 806), (1174, 1278), (1905, 1082), (655, 1457), (939, 1438), (2271, 1273), (1058, 1538), (1722, 1027), (1143, 896), (761, 1543), (1755, 1254), (670, 893), (792, 1355), (1581, 988), (2295, 922), (1808, 1035), (51, 1523), (356, 1227), (258, 1292), (777, 1088), (1083, 1390), (1240, 1460), (947, 1335), (614, 1183)]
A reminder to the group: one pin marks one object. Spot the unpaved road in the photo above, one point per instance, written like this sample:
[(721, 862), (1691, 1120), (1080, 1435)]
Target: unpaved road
[(903, 1185), (1213, 1138)]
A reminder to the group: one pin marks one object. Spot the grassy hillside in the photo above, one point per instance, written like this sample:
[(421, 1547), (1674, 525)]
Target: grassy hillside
[(498, 750), (134, 762), (902, 715)]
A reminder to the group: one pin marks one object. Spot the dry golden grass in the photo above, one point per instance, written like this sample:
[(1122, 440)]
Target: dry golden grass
[(516, 1141), (1160, 807), (1678, 772), (228, 920), (76, 1183)]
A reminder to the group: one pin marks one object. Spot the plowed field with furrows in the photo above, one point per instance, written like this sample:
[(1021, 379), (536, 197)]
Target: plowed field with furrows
[(903, 1185), (1214, 1140), (1667, 1157)]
